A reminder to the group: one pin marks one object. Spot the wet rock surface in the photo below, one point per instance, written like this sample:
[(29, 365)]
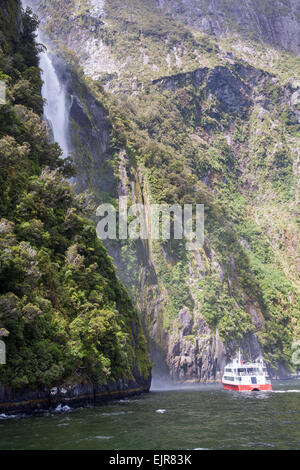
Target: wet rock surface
[(29, 402)]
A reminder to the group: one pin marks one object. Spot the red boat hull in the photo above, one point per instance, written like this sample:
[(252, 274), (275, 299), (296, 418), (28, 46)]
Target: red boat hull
[(248, 388)]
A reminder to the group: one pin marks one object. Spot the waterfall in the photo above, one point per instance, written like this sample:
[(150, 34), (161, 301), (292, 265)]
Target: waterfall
[(56, 109)]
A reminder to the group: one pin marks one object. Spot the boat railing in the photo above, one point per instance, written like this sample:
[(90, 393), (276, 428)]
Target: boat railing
[(246, 373)]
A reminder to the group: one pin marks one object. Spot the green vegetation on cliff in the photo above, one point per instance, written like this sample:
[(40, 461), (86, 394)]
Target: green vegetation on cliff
[(64, 315), (190, 148), (193, 118)]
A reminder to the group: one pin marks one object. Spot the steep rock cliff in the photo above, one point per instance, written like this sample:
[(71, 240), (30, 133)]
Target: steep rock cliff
[(187, 118), (274, 22)]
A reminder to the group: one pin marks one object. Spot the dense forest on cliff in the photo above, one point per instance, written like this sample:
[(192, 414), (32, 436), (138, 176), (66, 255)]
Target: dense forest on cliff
[(194, 109), (170, 102), (65, 317)]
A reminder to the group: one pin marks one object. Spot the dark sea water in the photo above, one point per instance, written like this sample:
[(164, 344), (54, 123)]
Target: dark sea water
[(199, 417)]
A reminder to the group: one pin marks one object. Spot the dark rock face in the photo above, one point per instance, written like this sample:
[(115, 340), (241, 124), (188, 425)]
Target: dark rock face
[(90, 135), (229, 90), (275, 22), (12, 402), (26, 401), (185, 318), (232, 87), (83, 125), (201, 357)]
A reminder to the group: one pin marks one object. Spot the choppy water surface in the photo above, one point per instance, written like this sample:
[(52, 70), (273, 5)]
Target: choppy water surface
[(199, 417)]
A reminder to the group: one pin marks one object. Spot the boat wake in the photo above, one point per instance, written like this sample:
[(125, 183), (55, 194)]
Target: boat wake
[(4, 416)]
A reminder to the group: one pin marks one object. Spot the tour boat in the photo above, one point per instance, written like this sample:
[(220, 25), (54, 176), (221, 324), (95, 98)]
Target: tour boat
[(243, 376)]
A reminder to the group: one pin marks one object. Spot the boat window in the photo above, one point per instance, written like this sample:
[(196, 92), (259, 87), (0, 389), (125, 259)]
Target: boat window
[(231, 379), (228, 370), (249, 371)]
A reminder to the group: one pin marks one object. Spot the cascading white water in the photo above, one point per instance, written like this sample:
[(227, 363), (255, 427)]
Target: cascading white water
[(56, 109)]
